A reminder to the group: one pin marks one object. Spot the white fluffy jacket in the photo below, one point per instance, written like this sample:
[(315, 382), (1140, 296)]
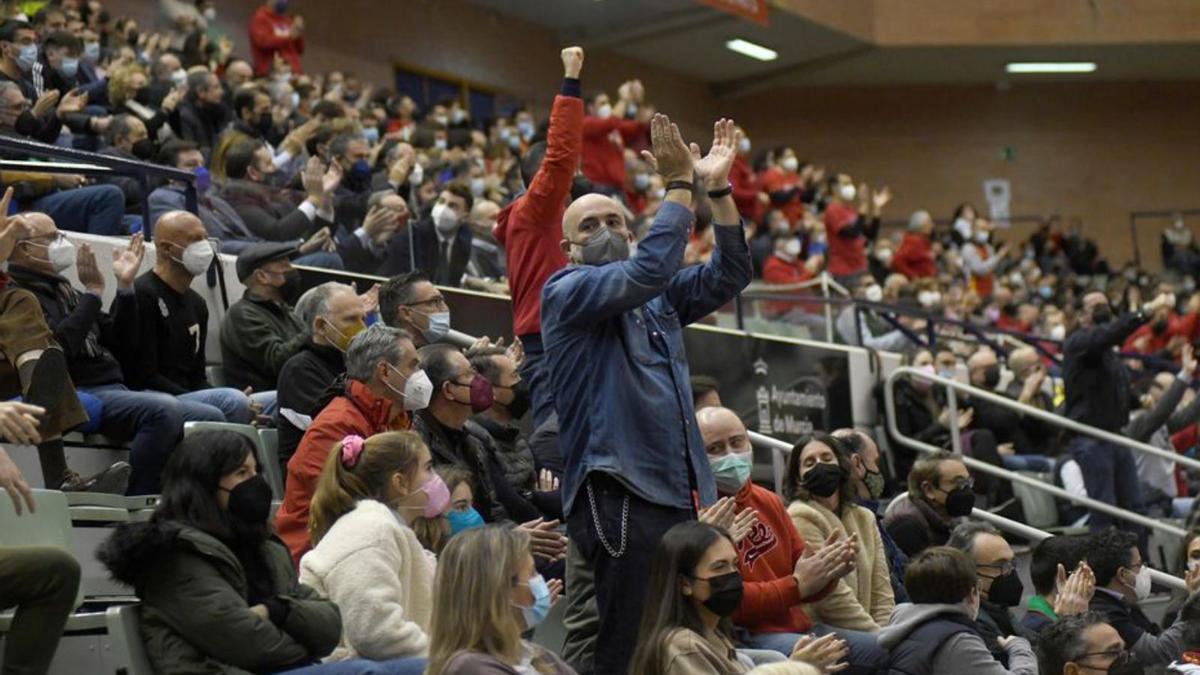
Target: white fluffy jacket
[(371, 564)]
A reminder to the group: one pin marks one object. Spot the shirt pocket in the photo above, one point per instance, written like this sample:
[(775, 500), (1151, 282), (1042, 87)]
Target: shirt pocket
[(672, 333), (636, 334)]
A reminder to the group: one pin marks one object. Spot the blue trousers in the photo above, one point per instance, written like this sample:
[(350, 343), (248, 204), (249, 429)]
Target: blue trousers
[(866, 657), (1110, 475), (152, 424), (1038, 463), (221, 404), (95, 208), (535, 375), (325, 259)]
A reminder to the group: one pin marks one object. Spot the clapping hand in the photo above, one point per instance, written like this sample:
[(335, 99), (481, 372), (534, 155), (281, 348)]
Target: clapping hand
[(1075, 592), (824, 652), (45, 103), (14, 483), (714, 167), (12, 228), (669, 156), (720, 514), (516, 351), (370, 299), (546, 542), (743, 524), (127, 261), (73, 102), (815, 571), (19, 422), (546, 481), (1188, 360), (88, 270)]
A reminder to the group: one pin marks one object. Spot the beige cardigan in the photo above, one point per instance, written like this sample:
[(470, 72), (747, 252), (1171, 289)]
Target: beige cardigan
[(863, 599), (687, 652)]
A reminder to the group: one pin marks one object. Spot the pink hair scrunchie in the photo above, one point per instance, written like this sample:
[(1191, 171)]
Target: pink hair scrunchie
[(352, 447)]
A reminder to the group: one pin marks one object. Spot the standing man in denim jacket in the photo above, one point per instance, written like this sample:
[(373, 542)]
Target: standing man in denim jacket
[(613, 323)]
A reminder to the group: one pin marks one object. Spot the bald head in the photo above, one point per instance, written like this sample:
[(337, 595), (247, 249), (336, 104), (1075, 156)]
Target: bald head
[(585, 217), (32, 251), (173, 233), (1022, 360), (718, 426), (978, 366)]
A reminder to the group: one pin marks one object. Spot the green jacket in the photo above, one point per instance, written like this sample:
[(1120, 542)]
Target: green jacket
[(257, 337), (195, 618)]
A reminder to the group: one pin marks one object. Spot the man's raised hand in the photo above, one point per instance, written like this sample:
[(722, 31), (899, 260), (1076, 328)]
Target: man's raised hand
[(572, 58), (715, 166), (669, 156)]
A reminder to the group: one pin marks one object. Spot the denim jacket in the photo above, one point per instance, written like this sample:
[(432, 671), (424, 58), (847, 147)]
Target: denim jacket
[(613, 337)]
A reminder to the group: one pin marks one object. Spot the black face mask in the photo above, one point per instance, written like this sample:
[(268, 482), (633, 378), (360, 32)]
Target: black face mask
[(991, 377), (290, 290), (960, 501), (1006, 590), (1101, 316), (250, 501), (144, 149), (726, 593), (27, 124), (1159, 327), (132, 38), (142, 96), (264, 124), (521, 401), (823, 479)]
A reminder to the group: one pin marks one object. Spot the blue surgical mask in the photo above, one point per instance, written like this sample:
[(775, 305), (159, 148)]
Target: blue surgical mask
[(203, 179), (439, 325), (295, 100), (371, 134), (360, 169), (478, 185), (541, 602), (526, 129), (69, 67), (27, 57), (91, 51), (731, 471), (464, 520)]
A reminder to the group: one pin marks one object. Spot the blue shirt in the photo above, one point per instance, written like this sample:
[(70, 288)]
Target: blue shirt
[(613, 337)]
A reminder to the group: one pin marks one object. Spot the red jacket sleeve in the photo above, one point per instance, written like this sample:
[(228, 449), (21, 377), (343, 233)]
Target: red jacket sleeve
[(632, 130), (552, 184), (598, 126)]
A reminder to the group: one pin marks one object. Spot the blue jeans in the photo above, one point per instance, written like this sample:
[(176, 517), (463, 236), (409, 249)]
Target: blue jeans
[(866, 657), (326, 259), (1110, 475), (95, 208), (151, 422), (536, 377), (223, 404), (407, 666), (1038, 463)]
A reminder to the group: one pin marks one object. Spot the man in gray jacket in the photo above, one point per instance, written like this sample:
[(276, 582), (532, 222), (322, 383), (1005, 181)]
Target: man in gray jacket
[(936, 633)]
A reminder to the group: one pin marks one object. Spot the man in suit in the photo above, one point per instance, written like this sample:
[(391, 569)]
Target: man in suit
[(441, 240)]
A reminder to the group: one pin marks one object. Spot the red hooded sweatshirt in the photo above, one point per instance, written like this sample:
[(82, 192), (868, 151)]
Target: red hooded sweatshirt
[(530, 228), (914, 258), (767, 558)]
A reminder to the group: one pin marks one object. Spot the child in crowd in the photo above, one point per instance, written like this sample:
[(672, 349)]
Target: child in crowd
[(367, 558), (433, 533), (488, 593)]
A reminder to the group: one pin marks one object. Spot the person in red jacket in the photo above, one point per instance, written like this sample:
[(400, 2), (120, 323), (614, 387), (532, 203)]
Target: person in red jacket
[(748, 191), (785, 267), (530, 228), (274, 32), (607, 129), (786, 184), (914, 259), (849, 227), (777, 578), (384, 381)]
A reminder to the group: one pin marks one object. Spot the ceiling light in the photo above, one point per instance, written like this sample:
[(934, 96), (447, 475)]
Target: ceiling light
[(1052, 67), (752, 50)]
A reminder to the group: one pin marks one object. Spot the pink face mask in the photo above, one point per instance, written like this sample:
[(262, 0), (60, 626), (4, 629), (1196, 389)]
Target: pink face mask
[(439, 496), (921, 384)]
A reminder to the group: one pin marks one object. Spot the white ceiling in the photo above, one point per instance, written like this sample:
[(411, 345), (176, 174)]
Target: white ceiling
[(688, 38)]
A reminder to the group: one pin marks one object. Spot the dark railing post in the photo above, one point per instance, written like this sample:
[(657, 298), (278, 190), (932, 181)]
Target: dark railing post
[(738, 312)]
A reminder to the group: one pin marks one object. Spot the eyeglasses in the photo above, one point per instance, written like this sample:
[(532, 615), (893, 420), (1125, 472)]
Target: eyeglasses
[(438, 300), (1004, 567), (964, 483), (1120, 660)]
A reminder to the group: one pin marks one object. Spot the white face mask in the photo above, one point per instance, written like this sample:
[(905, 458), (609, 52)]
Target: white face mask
[(1141, 584), (178, 77), (444, 219), (929, 298), (1058, 332), (60, 253), (873, 293), (605, 111), (197, 257), (792, 248), (884, 255), (847, 192), (744, 145), (418, 389), (790, 164)]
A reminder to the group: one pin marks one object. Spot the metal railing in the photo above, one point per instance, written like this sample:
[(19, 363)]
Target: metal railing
[(780, 451), (953, 386), (785, 293)]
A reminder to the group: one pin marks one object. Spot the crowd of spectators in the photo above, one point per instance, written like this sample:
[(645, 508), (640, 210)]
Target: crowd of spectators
[(438, 500)]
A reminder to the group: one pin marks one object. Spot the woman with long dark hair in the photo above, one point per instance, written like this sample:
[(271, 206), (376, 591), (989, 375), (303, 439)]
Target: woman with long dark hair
[(695, 587), (218, 590)]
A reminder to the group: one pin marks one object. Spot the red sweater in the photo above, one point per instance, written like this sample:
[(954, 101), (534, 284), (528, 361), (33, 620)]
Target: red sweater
[(767, 558), (847, 255), (358, 412), (604, 141), (746, 188), (776, 270), (270, 34), (914, 258), (530, 229)]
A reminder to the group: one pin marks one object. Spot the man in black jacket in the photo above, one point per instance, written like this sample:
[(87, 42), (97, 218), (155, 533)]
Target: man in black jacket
[(202, 115), (334, 314), (151, 422), (1000, 586), (441, 240), (1122, 582), (1097, 392)]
